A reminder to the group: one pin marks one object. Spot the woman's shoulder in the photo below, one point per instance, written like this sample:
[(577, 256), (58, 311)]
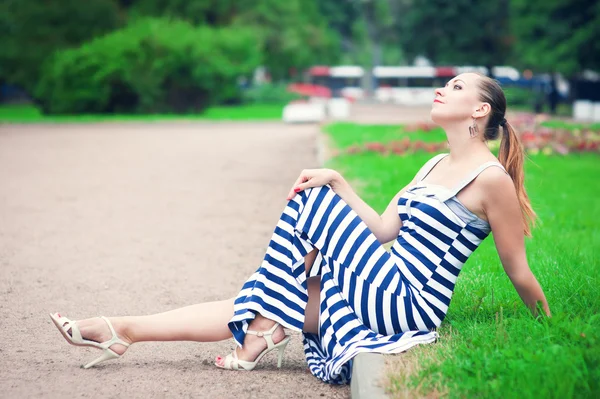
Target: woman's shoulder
[(495, 180)]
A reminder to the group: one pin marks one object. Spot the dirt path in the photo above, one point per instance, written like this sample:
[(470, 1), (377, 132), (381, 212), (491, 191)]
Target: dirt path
[(126, 219)]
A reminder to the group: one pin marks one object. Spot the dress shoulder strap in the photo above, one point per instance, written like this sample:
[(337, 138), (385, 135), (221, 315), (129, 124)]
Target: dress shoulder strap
[(471, 176), (425, 169)]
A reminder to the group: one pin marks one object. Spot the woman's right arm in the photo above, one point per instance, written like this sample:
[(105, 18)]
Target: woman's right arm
[(385, 227)]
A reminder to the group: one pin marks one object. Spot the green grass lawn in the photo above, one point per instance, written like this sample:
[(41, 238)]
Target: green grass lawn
[(490, 346), (31, 114), (562, 110), (559, 124), (347, 134)]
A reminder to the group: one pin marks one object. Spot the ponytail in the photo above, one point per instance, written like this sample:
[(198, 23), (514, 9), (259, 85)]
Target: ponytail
[(511, 156), (511, 153)]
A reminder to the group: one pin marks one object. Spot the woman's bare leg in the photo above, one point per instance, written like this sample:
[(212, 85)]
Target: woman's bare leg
[(203, 322)]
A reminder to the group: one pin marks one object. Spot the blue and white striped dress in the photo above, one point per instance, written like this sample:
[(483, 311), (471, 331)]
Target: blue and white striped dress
[(371, 300)]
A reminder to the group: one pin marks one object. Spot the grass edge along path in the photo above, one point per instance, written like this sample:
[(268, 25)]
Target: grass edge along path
[(490, 346), (249, 112)]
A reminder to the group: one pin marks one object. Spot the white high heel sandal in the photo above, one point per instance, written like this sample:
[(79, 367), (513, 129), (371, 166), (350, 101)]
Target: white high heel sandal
[(232, 362), (63, 324)]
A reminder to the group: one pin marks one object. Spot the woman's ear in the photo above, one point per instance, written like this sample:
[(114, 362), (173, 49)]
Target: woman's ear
[(483, 110)]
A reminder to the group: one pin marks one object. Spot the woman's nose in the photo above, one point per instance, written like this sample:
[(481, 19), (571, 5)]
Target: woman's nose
[(438, 91)]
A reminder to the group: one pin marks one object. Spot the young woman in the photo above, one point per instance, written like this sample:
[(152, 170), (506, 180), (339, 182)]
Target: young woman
[(326, 273)]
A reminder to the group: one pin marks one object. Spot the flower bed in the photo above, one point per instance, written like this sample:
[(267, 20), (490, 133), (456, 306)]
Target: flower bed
[(538, 135)]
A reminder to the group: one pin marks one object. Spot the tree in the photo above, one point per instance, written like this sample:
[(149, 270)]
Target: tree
[(32, 30), (457, 32), (197, 12), (293, 33), (368, 29), (557, 36)]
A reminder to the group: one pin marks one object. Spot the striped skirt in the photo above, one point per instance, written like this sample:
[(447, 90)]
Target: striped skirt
[(365, 302)]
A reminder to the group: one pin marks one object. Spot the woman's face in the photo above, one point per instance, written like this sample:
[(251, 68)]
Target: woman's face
[(457, 101)]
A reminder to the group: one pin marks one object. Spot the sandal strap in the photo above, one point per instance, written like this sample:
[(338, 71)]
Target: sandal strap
[(115, 339), (75, 333), (67, 324), (231, 361), (75, 336), (267, 335)]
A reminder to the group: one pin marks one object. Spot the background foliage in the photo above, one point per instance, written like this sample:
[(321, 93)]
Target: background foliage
[(30, 31), (290, 36), (452, 35), (152, 65), (560, 35)]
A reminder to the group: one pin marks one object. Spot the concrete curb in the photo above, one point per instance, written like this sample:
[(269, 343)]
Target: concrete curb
[(367, 370)]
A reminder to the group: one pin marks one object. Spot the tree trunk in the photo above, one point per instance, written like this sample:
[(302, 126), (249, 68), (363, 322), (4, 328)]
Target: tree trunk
[(375, 47), (490, 71)]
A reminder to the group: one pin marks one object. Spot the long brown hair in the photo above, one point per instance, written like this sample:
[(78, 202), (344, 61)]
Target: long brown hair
[(511, 153)]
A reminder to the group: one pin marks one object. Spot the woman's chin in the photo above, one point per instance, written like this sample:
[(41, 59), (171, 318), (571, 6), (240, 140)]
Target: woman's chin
[(435, 116), (443, 117)]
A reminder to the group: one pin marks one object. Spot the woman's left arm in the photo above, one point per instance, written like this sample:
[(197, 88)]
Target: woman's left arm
[(501, 206)]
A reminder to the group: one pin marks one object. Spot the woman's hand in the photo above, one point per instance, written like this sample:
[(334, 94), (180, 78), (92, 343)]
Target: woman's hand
[(313, 178)]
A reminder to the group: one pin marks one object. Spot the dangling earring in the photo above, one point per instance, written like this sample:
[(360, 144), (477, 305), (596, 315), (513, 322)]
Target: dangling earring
[(473, 129)]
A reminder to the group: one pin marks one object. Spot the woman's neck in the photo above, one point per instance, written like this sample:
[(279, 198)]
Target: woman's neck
[(462, 145)]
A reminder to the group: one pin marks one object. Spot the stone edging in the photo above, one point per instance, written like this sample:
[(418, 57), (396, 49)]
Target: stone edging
[(367, 370)]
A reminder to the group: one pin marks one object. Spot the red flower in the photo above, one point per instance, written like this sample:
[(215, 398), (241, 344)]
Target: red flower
[(353, 149), (528, 136), (376, 147)]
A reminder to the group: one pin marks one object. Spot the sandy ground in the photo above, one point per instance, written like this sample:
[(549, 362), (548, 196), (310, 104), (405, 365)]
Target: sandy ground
[(128, 219)]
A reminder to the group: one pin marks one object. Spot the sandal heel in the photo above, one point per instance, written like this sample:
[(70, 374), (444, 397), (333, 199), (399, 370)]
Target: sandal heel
[(280, 354), (106, 355), (281, 351)]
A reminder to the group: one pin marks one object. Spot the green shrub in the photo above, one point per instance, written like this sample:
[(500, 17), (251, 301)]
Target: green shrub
[(293, 33), (269, 94), (152, 65), (30, 31)]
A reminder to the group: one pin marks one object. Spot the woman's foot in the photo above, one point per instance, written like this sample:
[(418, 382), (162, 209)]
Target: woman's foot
[(253, 344), (97, 329)]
